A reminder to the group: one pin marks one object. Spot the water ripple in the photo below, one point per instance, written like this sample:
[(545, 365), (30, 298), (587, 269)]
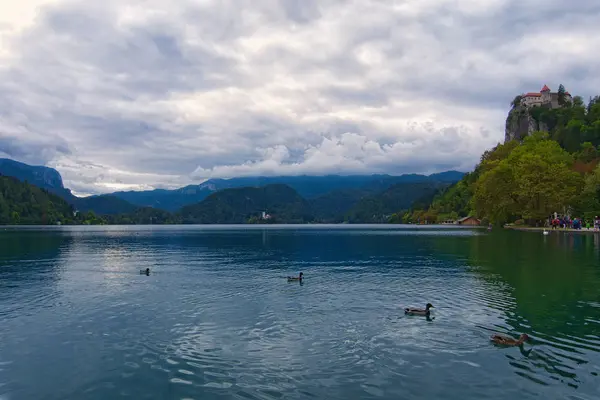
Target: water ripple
[(216, 318)]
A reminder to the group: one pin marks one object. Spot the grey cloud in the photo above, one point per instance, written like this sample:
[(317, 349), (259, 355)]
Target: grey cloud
[(22, 148), (159, 96), (301, 11), (371, 98), (144, 60)]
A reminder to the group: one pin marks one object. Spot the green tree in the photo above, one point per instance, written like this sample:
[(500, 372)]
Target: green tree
[(543, 186), (561, 95), (533, 181), (495, 194), (573, 135), (588, 153), (588, 203), (544, 173)]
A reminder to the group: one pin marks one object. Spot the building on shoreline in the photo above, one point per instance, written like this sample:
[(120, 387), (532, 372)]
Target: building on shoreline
[(470, 220)]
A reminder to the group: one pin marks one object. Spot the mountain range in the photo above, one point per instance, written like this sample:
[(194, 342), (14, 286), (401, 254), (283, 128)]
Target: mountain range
[(330, 198), (308, 187)]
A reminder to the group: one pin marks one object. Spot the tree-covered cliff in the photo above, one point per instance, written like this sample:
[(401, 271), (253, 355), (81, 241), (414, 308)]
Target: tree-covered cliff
[(532, 174)]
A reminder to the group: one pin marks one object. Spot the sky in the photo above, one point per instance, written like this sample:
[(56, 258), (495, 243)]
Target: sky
[(142, 94)]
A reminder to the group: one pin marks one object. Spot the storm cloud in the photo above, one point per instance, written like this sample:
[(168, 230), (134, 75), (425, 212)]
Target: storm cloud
[(141, 94)]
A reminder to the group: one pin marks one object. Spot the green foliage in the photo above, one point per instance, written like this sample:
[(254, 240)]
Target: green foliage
[(588, 153), (494, 195), (572, 124), (90, 218), (285, 205), (454, 202), (561, 95), (333, 206), (381, 207), (535, 180), (588, 203), (104, 205), (239, 205), (548, 172), (22, 203), (143, 216)]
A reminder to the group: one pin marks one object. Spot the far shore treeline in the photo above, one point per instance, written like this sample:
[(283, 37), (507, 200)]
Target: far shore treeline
[(23, 203), (519, 181)]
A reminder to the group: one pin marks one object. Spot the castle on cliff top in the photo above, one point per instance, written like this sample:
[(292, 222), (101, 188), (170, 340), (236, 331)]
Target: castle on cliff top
[(544, 97)]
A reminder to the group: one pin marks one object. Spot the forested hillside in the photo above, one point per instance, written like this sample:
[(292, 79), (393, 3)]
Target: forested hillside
[(243, 205), (553, 171), (379, 207), (22, 203)]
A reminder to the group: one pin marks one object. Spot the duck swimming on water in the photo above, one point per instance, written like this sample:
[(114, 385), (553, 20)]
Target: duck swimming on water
[(295, 278), (419, 311), (145, 271), (508, 341)]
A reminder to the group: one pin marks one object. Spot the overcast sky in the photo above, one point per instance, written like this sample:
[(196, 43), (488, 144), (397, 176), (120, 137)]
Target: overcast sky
[(137, 94)]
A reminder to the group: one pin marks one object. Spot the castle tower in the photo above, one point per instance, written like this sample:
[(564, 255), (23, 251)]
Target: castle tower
[(546, 95)]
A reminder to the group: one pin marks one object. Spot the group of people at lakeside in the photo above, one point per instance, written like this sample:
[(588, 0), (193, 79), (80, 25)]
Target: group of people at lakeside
[(575, 223)]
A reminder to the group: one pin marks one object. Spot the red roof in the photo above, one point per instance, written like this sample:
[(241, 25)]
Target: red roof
[(545, 89), (533, 95)]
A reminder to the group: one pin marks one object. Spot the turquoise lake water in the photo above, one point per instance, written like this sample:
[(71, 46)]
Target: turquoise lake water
[(216, 318)]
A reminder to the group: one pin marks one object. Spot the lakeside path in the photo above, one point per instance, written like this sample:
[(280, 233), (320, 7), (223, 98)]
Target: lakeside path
[(540, 229)]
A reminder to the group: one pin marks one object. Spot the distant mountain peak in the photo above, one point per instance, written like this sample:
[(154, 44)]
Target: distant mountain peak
[(41, 176)]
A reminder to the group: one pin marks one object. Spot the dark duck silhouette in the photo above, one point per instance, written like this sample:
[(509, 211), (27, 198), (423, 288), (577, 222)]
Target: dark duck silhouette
[(419, 311), (145, 271)]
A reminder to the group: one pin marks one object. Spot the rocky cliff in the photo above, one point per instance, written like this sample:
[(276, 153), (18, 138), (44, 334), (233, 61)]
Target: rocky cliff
[(520, 123), (43, 177)]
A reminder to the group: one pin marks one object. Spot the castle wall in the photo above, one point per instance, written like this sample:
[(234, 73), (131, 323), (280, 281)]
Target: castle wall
[(545, 98), (532, 101)]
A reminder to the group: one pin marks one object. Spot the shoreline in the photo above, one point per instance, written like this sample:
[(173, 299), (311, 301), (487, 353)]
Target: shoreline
[(540, 229)]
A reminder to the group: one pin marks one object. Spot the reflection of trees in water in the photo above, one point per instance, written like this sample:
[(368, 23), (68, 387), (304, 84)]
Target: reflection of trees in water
[(555, 284), (31, 256), (39, 244), (277, 248)]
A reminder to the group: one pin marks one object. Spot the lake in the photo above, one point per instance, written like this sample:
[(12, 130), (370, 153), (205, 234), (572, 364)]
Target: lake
[(217, 319)]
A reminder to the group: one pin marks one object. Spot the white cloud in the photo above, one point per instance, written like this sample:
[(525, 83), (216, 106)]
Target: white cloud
[(160, 95)]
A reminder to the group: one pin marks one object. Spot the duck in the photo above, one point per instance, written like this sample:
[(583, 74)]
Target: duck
[(295, 278), (145, 271), (508, 341), (419, 311), (546, 232)]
